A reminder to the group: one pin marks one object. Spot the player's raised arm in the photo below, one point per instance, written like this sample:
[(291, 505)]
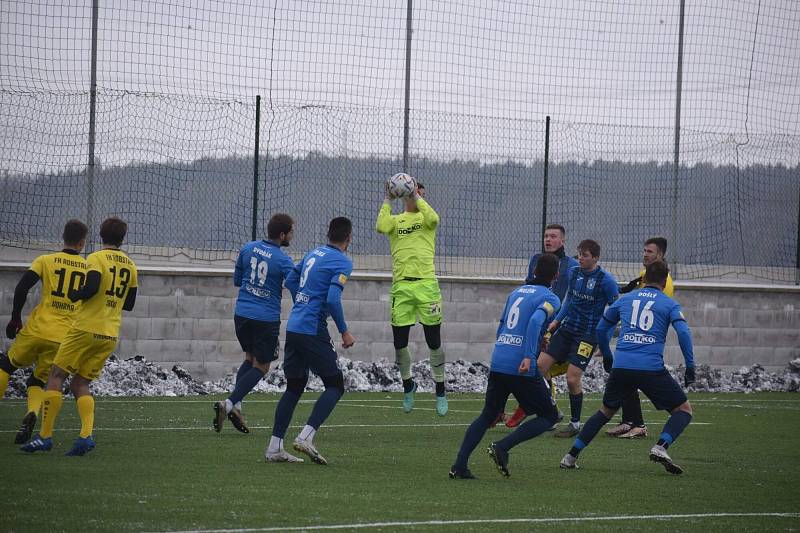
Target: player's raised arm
[(429, 216), (385, 223), (90, 287)]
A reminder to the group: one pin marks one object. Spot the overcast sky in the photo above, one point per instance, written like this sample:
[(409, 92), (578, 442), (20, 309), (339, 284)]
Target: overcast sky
[(484, 75)]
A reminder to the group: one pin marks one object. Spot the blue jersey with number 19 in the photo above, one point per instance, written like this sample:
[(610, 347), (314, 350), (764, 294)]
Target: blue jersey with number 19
[(260, 271), (528, 311), (313, 276)]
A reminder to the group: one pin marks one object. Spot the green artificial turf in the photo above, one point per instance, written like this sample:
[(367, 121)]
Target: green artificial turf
[(159, 466)]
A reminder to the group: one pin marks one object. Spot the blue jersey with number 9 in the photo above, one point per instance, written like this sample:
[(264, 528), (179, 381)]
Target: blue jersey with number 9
[(320, 268), (260, 271)]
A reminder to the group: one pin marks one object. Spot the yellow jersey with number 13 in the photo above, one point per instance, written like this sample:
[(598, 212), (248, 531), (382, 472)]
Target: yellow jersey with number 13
[(102, 313)]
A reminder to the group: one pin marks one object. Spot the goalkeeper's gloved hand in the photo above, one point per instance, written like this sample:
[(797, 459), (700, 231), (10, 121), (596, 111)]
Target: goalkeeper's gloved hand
[(688, 376), (608, 362), (13, 327), (630, 286)]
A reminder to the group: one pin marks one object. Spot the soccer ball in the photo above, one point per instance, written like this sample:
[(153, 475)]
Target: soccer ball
[(401, 185)]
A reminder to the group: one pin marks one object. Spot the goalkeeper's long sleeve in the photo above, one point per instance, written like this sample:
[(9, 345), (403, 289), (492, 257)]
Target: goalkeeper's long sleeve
[(430, 216)]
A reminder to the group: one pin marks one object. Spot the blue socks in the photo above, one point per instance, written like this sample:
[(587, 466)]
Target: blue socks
[(284, 412), (675, 425), (247, 365), (575, 406), (590, 429), (530, 429), (245, 382), (473, 436), (324, 405)]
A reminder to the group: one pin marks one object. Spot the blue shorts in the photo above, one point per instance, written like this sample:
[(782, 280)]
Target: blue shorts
[(658, 385), (258, 338), (532, 393), (568, 347), (309, 352)]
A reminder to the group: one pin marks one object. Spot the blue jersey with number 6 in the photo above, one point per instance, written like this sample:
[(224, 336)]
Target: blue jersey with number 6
[(313, 276), (528, 311), (646, 315), (261, 269)]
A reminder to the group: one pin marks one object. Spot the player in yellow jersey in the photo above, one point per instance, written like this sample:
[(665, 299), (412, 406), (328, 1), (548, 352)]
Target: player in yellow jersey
[(37, 343), (632, 425), (110, 288), (415, 293)]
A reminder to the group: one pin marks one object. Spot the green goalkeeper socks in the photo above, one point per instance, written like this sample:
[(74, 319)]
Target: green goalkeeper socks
[(437, 365), (403, 359)]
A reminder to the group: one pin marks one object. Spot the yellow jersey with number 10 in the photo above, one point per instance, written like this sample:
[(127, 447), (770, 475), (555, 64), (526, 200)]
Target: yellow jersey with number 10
[(102, 313), (59, 272)]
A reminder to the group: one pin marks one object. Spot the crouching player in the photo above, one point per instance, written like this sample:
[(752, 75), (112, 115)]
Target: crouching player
[(513, 370), (639, 364), (38, 342), (110, 288)]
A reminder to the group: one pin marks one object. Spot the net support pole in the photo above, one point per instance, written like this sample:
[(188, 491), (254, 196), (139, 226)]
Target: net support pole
[(407, 105), (254, 224), (676, 246), (797, 249), (546, 170), (92, 128)]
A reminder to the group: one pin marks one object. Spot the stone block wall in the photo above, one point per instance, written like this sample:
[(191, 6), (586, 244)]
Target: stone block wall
[(185, 316)]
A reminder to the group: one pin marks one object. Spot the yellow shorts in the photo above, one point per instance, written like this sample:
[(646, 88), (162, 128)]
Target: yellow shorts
[(559, 369), (29, 349), (84, 353)]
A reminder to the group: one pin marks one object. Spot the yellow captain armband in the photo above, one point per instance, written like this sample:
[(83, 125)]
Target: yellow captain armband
[(548, 308)]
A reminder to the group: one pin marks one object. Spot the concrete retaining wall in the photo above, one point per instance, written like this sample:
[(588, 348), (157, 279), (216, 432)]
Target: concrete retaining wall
[(186, 316)]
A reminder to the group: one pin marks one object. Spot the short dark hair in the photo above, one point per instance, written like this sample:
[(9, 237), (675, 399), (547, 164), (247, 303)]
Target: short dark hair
[(660, 242), (588, 245), (656, 273), (74, 232), (113, 231), (339, 229), (420, 185), (559, 227), (279, 223), (546, 267)]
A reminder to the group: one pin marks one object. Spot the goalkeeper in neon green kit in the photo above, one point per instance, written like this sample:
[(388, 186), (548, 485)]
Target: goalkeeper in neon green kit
[(415, 290)]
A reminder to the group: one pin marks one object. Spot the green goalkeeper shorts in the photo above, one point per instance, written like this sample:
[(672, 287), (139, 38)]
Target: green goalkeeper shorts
[(416, 300)]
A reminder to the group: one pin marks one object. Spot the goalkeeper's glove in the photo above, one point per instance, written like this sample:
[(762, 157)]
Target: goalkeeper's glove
[(688, 376), (630, 286), (13, 327), (608, 362)]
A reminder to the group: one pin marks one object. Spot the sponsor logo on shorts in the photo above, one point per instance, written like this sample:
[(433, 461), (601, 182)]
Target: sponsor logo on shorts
[(436, 308), (511, 340), (639, 338)]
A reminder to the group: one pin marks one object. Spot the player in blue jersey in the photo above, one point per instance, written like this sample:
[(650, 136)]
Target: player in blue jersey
[(553, 242), (513, 370), (589, 289), (316, 283), (638, 363), (260, 271)]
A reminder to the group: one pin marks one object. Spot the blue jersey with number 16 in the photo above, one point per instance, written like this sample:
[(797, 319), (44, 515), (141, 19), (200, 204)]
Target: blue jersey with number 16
[(260, 271), (312, 277), (528, 311)]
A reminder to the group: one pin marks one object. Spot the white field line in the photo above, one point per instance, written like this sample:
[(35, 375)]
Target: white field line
[(450, 399), (617, 518), (326, 426)]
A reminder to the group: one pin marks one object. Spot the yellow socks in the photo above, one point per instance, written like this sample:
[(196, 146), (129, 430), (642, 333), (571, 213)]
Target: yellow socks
[(86, 412), (52, 401), (4, 377), (35, 399)]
